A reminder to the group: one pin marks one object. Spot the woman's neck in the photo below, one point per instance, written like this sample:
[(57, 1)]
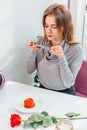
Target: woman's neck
[(55, 43)]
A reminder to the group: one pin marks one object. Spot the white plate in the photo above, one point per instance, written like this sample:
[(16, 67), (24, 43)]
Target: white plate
[(19, 106)]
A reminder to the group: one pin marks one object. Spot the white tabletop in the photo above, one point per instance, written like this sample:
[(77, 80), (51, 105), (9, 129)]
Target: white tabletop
[(55, 103)]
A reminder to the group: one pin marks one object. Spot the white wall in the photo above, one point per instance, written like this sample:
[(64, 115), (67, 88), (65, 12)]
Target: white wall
[(85, 26), (20, 22), (77, 10)]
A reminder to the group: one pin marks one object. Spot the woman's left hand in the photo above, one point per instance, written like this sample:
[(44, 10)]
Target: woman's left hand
[(57, 50)]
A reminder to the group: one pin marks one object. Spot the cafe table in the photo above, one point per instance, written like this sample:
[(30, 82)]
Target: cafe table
[(55, 103)]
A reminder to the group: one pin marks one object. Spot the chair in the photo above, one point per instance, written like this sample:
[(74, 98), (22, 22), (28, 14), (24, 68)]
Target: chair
[(81, 81)]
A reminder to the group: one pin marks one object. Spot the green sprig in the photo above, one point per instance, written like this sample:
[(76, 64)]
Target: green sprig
[(43, 118)]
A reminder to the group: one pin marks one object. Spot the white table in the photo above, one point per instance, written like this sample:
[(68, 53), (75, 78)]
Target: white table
[(55, 103)]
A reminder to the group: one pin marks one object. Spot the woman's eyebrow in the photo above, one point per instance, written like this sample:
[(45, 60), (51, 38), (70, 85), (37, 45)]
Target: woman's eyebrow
[(51, 24), (54, 25)]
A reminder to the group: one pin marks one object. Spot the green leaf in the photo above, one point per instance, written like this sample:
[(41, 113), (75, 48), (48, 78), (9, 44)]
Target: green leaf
[(38, 36), (54, 120), (27, 123), (76, 114), (36, 117), (72, 114), (35, 125), (44, 113), (46, 121), (36, 85), (36, 79)]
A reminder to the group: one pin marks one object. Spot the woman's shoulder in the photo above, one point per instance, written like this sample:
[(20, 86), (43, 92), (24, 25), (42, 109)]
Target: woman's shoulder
[(74, 47), (77, 47)]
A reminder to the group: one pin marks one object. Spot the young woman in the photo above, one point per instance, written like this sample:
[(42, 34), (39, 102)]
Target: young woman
[(58, 63)]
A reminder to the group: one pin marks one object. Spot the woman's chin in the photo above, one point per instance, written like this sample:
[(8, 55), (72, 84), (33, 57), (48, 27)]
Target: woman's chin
[(49, 38)]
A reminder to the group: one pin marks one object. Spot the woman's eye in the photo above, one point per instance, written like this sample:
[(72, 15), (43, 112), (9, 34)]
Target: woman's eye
[(54, 27), (46, 26)]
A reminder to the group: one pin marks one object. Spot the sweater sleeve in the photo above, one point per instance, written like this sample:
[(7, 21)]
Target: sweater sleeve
[(69, 71), (32, 59), (31, 62)]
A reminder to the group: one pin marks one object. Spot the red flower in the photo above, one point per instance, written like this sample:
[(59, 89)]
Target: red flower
[(15, 120)]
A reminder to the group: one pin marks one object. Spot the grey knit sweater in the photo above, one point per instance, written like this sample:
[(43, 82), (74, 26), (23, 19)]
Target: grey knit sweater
[(59, 73)]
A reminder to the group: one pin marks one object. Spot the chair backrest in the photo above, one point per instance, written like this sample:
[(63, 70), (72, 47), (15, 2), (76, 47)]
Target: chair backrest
[(81, 79)]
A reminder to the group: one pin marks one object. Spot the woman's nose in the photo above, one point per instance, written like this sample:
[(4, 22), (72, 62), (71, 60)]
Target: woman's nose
[(49, 30)]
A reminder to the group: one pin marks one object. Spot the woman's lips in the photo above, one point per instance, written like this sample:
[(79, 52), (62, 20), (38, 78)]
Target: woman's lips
[(49, 36)]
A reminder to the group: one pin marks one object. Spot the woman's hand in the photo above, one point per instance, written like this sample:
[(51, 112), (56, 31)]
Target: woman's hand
[(32, 47), (57, 50)]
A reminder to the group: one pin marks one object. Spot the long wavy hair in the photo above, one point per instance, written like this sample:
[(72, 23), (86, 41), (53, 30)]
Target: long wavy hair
[(63, 19)]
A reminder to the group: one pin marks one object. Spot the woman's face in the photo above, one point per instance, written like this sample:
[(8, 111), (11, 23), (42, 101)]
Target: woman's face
[(52, 32)]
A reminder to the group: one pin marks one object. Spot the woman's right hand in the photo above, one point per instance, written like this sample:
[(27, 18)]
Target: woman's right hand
[(32, 47)]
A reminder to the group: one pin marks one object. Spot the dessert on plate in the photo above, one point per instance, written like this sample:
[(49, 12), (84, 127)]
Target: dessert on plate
[(29, 103)]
